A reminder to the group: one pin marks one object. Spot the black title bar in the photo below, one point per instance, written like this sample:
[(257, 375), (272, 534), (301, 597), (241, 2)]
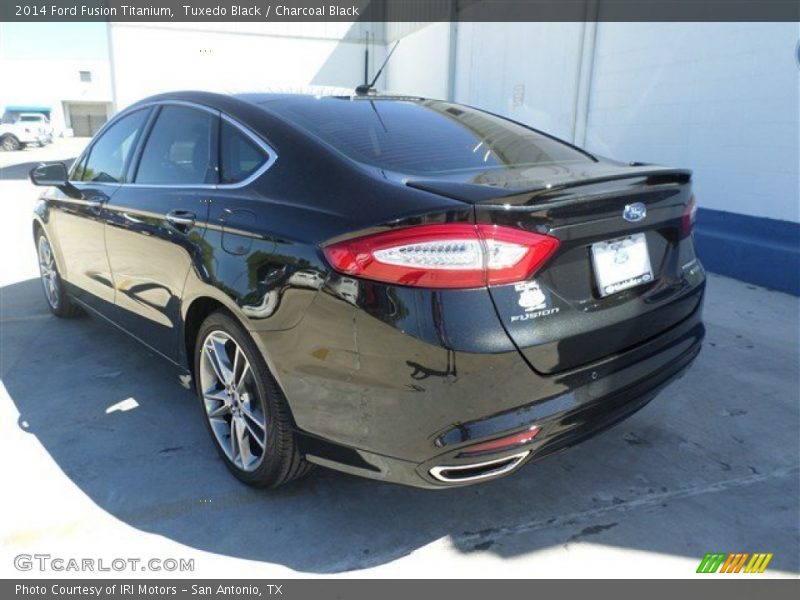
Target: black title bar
[(398, 10)]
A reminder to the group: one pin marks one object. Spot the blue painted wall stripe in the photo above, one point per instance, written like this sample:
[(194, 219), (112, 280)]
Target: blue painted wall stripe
[(761, 251)]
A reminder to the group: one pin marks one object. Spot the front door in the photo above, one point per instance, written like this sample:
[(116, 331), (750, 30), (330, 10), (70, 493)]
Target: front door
[(78, 223)]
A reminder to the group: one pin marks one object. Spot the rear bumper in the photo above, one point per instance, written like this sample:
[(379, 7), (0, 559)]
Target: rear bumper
[(392, 407), (575, 416)]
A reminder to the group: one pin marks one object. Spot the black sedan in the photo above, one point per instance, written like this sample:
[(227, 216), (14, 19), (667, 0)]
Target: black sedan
[(400, 288)]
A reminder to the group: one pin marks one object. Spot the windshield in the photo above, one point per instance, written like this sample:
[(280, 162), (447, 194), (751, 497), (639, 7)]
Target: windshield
[(423, 137)]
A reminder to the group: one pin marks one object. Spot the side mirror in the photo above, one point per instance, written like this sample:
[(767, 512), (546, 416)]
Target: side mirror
[(49, 174), (53, 174)]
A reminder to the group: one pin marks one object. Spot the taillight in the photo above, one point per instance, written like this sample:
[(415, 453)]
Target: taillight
[(689, 216), (451, 255)]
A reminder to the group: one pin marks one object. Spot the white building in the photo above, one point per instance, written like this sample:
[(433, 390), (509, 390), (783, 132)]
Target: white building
[(156, 57), (74, 93)]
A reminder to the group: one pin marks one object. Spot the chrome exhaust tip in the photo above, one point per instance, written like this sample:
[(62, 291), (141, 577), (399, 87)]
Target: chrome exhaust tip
[(478, 471)]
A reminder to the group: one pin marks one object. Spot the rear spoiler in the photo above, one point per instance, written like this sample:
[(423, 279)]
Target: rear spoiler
[(473, 193)]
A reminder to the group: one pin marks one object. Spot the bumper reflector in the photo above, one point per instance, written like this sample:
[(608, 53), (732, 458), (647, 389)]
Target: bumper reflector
[(503, 443)]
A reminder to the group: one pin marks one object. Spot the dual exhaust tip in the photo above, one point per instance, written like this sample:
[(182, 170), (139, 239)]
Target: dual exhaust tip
[(479, 470), (488, 468)]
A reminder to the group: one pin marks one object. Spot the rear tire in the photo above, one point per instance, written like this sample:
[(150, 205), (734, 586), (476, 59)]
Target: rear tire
[(244, 409), (58, 300)]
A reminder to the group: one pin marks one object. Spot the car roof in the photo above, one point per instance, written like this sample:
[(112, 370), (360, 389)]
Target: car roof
[(259, 97), (261, 110), (277, 95), (233, 103)]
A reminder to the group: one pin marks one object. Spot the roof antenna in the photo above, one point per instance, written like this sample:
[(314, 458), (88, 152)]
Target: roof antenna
[(363, 89), (366, 58)]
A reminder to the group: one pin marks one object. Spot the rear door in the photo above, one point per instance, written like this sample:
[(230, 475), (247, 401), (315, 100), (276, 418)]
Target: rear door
[(624, 272), (156, 225)]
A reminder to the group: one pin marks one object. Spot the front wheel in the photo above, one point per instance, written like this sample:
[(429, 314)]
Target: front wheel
[(57, 299), (245, 411)]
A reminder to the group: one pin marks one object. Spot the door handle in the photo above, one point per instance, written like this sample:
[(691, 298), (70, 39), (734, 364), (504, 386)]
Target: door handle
[(181, 218)]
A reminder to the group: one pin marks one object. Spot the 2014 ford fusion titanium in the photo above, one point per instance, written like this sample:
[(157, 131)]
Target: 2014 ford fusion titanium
[(400, 288)]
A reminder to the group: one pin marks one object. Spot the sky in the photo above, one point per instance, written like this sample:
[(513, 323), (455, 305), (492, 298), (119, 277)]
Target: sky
[(49, 40)]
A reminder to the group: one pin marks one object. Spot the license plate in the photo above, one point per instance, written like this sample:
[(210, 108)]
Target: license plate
[(621, 264)]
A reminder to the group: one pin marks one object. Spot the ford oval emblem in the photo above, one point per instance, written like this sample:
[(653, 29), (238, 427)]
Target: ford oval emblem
[(634, 212)]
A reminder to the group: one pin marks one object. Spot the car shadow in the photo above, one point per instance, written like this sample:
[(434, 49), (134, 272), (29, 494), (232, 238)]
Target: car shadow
[(672, 479)]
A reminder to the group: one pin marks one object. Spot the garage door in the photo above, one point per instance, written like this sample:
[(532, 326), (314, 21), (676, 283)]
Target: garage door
[(86, 120)]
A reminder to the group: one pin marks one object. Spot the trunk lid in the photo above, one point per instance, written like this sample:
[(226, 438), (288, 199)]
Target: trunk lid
[(561, 318)]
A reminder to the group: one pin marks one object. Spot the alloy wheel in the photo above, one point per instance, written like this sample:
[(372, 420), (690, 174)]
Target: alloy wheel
[(49, 272), (231, 400)]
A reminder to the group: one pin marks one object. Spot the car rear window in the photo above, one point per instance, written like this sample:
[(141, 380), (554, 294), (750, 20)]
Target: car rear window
[(422, 137), (240, 156)]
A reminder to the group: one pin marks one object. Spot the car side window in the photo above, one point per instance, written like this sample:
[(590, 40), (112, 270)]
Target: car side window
[(79, 169), (109, 155), (240, 156), (181, 148)]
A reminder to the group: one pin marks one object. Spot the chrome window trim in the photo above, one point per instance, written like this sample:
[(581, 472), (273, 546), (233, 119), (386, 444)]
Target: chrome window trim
[(270, 153)]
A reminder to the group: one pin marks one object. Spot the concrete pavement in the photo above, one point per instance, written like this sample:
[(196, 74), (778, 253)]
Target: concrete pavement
[(104, 455)]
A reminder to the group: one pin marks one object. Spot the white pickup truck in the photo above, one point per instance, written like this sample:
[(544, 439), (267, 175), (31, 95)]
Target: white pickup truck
[(26, 129)]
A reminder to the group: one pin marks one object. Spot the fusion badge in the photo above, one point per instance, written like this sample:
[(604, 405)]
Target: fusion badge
[(534, 300)]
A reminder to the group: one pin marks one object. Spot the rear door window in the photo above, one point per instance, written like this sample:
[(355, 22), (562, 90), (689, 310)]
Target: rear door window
[(110, 154), (240, 155), (181, 148)]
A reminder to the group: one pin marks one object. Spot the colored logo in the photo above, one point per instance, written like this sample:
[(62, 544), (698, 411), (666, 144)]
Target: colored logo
[(634, 212), (740, 562), (531, 296)]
